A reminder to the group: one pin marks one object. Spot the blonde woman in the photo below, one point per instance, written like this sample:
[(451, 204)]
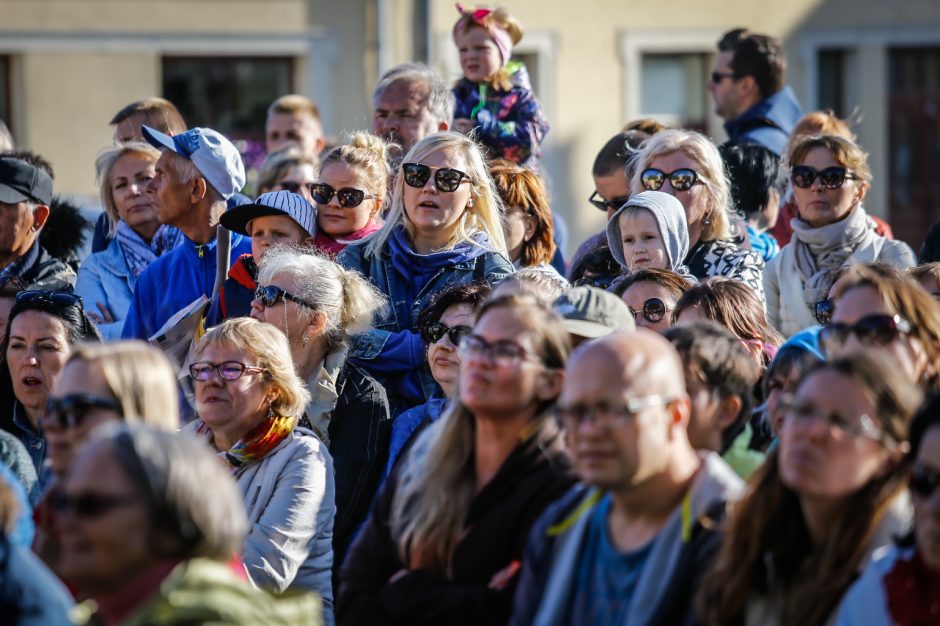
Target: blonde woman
[(446, 535), (444, 226), (687, 165)]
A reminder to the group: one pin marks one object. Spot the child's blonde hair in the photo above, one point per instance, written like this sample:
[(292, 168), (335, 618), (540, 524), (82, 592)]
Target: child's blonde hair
[(495, 18)]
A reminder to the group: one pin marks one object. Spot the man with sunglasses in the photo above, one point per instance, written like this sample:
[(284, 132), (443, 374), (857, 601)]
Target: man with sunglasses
[(633, 538), (197, 173), (747, 84)]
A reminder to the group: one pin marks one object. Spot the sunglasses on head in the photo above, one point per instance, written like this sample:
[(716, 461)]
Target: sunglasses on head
[(875, 330), (433, 332), (61, 299), (823, 311), (445, 179), (833, 177), (924, 480), (71, 410), (269, 295), (681, 179), (613, 204), (348, 197), (654, 310)]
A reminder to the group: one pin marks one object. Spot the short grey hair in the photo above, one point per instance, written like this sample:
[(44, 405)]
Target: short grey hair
[(186, 171), (193, 501), (441, 100)]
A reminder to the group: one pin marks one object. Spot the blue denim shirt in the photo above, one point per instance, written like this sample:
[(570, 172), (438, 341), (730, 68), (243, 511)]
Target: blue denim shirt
[(34, 442), (393, 351)]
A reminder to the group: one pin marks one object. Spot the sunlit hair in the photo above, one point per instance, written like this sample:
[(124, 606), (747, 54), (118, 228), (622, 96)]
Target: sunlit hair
[(847, 153), (486, 214), (103, 166), (294, 103), (546, 287), (140, 377), (521, 187), (278, 163), (186, 172), (708, 166), (195, 507), (501, 18), (731, 304), (469, 294), (924, 272), (437, 483), (675, 284), (367, 155), (347, 299), (262, 345), (157, 113), (768, 541), (907, 299), (815, 123), (440, 101)]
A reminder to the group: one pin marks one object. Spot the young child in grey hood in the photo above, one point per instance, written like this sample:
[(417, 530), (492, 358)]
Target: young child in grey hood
[(650, 231)]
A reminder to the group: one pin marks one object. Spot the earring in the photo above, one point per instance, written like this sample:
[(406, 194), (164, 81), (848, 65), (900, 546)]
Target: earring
[(707, 219), (306, 339), (271, 414)]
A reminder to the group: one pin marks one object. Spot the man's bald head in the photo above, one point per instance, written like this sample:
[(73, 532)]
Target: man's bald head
[(640, 359)]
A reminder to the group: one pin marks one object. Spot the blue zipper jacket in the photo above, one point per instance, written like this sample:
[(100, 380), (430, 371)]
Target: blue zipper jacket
[(393, 351), (768, 123), (172, 282)]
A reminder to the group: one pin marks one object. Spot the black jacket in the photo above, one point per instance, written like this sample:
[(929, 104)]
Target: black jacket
[(46, 272), (496, 529)]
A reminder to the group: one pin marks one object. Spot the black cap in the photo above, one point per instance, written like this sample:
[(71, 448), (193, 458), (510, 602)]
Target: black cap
[(20, 181)]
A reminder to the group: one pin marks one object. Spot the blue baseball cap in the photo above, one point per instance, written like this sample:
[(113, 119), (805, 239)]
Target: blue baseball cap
[(216, 158)]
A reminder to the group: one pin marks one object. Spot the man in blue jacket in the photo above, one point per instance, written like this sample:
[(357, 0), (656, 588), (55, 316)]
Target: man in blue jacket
[(198, 171), (747, 84)]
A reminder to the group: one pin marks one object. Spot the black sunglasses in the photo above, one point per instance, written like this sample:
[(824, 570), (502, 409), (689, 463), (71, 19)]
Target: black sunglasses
[(612, 204), (833, 177), (654, 310), (432, 333), (924, 480), (269, 295), (290, 185), (61, 299), (877, 330), (717, 77), (823, 311), (445, 179), (681, 179), (71, 410), (348, 197), (89, 505)]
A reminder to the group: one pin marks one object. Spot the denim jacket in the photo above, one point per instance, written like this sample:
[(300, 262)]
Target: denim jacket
[(393, 351), (105, 277)]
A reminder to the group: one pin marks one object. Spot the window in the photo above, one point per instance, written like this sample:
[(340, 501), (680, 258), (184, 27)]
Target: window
[(229, 94), (832, 75), (673, 90), (5, 108)]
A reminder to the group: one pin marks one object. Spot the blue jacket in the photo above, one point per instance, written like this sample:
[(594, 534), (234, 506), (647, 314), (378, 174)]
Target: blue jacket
[(768, 123), (172, 282), (30, 595), (393, 351), (105, 277), (406, 425)]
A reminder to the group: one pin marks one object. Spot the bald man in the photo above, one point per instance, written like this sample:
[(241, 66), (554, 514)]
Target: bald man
[(628, 546)]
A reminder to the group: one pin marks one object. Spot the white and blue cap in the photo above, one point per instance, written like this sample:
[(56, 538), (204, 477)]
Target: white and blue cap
[(284, 203), (216, 158)]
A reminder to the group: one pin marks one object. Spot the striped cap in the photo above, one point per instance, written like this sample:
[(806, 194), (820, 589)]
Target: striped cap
[(286, 203)]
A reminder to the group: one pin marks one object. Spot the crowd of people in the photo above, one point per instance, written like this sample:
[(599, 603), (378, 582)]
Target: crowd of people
[(376, 393)]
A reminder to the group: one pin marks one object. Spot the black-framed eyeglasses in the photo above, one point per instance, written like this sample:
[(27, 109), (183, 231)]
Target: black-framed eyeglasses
[(717, 77), (803, 176), (681, 179), (924, 480), (269, 296), (60, 299), (824, 310), (433, 332), (227, 370), (89, 504), (654, 310), (873, 330), (613, 204), (853, 426), (348, 197), (71, 410), (607, 415), (445, 179), (502, 353)]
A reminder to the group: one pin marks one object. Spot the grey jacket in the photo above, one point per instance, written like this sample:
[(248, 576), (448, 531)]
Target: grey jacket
[(671, 220)]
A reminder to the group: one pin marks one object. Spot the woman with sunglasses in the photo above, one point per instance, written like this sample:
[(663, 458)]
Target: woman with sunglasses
[(687, 165), (444, 226), (651, 295), (349, 192), (443, 324), (106, 279), (903, 586), (447, 532), (288, 169), (43, 328), (826, 499), (249, 401), (830, 178), (893, 318), (315, 303)]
